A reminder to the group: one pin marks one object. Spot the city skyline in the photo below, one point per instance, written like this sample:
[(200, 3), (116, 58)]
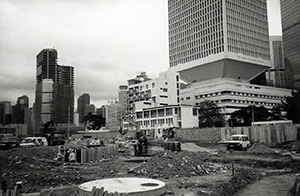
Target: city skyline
[(106, 42)]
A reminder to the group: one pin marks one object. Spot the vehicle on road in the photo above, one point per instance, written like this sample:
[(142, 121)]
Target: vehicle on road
[(240, 142), (34, 141), (8, 140)]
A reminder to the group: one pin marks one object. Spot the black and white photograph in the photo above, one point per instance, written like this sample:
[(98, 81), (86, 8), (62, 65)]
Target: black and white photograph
[(149, 97)]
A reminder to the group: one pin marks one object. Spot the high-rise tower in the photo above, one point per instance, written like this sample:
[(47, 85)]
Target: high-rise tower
[(225, 37), (275, 76), (290, 17), (82, 101), (54, 99), (20, 109)]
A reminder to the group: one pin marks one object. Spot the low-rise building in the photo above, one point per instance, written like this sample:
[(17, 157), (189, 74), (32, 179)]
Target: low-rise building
[(231, 95), (160, 91)]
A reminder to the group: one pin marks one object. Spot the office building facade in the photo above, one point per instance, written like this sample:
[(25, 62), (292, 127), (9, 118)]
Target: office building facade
[(275, 76), (290, 17), (82, 101), (160, 91), (123, 96), (20, 110), (198, 29), (218, 39), (54, 99)]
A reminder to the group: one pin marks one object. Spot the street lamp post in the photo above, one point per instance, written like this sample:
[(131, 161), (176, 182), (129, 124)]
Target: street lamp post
[(252, 114)]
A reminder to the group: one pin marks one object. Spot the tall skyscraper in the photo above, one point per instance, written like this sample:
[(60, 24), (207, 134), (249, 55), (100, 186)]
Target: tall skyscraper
[(54, 99), (275, 75), (5, 112), (89, 108), (82, 101), (225, 37), (290, 17), (123, 96), (20, 109)]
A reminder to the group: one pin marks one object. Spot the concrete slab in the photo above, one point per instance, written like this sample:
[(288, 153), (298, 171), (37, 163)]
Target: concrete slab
[(131, 186)]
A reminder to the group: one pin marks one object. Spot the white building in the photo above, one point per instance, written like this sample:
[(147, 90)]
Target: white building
[(155, 104), (161, 91), (231, 95), (154, 121)]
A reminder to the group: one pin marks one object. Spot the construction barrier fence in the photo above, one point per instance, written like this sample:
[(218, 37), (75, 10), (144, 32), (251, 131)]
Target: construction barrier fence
[(95, 154), (262, 134)]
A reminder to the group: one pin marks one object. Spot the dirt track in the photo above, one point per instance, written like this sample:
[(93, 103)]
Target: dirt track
[(196, 170), (277, 185)]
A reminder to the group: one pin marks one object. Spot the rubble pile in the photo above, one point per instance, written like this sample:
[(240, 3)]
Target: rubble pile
[(177, 164), (36, 168)]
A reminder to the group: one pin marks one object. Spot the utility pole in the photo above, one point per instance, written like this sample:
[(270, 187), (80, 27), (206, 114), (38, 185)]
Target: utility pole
[(252, 114), (68, 123)]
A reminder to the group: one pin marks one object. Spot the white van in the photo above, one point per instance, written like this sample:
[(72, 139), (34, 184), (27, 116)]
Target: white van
[(34, 141), (240, 142)]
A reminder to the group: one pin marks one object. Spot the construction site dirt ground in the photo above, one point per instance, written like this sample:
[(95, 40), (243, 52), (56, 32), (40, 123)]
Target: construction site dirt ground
[(198, 169)]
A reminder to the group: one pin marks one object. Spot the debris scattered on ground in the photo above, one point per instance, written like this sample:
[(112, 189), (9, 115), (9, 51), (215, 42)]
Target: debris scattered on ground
[(242, 178), (179, 164), (38, 170)]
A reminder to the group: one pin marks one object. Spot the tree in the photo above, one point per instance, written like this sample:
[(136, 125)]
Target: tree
[(94, 122), (277, 113), (245, 116), (292, 106), (210, 115)]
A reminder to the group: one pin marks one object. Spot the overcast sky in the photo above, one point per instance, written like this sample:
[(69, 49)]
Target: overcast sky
[(106, 41)]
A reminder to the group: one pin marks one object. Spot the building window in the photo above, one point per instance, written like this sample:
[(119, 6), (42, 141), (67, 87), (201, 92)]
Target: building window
[(169, 111), (146, 114), (153, 113), (139, 115), (163, 96), (195, 112), (161, 113)]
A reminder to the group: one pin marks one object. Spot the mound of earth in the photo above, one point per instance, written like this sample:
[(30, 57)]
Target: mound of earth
[(260, 148), (181, 164)]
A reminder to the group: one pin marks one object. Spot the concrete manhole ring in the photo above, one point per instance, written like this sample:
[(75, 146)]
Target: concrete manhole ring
[(131, 186)]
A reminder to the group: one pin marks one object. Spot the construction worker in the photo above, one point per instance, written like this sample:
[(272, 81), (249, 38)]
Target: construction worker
[(143, 145), (72, 157), (60, 154)]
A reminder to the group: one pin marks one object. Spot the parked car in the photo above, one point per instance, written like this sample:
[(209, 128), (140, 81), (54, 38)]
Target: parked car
[(34, 141), (8, 140), (240, 142)]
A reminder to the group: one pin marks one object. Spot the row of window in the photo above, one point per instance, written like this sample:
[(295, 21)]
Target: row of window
[(237, 93), (154, 122), (156, 113), (192, 6), (244, 102)]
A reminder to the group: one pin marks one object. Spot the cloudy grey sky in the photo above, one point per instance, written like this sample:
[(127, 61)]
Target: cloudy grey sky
[(107, 42)]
